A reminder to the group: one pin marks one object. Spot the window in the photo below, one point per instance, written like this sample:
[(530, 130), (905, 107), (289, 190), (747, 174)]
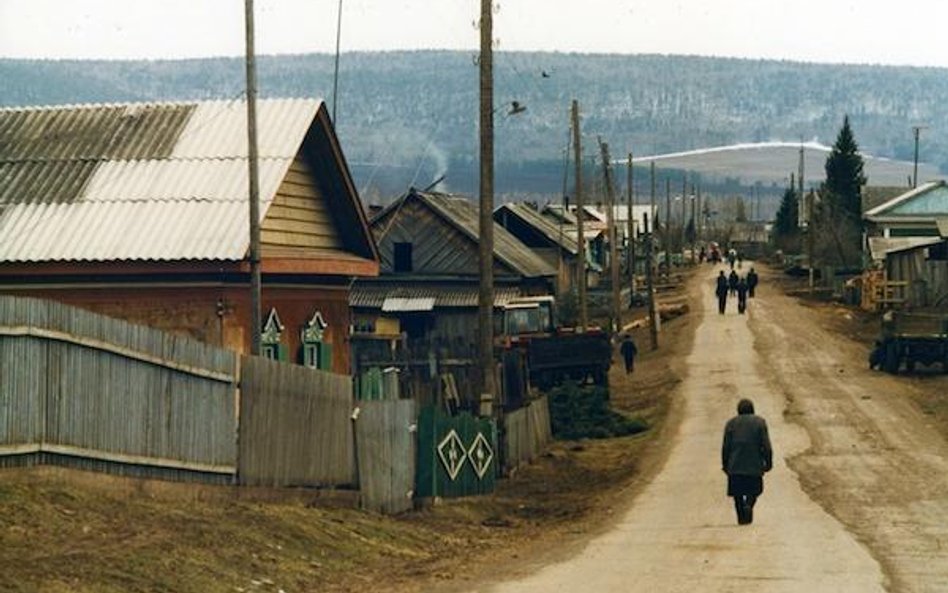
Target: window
[(270, 345), (403, 257), (316, 353)]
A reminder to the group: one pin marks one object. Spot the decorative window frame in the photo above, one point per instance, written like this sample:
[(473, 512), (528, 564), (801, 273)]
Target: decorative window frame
[(313, 343), (271, 345)]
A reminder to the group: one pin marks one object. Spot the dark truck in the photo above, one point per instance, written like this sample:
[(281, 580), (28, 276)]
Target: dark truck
[(553, 355), (914, 338)]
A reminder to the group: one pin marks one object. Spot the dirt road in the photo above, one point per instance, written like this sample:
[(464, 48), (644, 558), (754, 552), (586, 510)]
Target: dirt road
[(857, 500)]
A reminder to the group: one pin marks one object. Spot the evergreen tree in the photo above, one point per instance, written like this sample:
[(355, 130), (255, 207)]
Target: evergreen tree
[(787, 215), (837, 217), (844, 175)]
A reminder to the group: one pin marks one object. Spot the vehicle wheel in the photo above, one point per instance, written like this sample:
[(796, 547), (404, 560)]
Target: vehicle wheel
[(910, 365), (891, 362)]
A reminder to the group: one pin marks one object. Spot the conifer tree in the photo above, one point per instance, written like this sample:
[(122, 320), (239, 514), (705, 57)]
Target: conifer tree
[(844, 175)]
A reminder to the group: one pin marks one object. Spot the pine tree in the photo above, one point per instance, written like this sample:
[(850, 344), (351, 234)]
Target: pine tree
[(844, 175), (787, 215)]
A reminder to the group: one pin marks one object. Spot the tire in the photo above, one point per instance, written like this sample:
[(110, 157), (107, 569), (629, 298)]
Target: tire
[(910, 365), (891, 362)]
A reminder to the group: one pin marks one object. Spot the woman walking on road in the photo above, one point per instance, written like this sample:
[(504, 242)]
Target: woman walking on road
[(746, 455)]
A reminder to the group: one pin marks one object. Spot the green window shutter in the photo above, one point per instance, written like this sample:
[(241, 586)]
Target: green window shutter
[(325, 356)]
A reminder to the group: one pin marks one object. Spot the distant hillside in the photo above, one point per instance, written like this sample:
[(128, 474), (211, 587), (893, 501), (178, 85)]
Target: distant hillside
[(408, 117)]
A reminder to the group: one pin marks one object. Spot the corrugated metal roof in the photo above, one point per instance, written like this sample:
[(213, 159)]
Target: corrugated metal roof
[(163, 181), (394, 304), (461, 213), (924, 201), (372, 294)]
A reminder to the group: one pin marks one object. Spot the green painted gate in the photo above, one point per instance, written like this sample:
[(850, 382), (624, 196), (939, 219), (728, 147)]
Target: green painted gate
[(457, 455)]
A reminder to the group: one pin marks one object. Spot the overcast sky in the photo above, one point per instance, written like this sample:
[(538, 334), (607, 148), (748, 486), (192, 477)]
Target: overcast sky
[(853, 31)]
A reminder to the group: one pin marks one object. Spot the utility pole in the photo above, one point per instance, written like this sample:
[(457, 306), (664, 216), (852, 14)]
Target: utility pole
[(630, 230), (916, 130), (559, 260), (256, 279), (700, 218), (667, 234), (649, 277), (581, 239), (613, 236), (486, 221), (693, 223), (684, 206), (802, 214), (809, 240)]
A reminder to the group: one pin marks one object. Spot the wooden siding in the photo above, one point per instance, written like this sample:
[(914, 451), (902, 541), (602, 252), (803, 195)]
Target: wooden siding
[(299, 217), (295, 427), (438, 248)]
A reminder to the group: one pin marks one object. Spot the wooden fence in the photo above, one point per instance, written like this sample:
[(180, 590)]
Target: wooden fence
[(295, 427), (526, 433), (88, 391), (92, 392), (385, 437)]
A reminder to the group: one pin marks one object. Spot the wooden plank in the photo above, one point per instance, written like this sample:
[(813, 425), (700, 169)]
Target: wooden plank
[(302, 227), (95, 344), (136, 459), (298, 203), (290, 239)]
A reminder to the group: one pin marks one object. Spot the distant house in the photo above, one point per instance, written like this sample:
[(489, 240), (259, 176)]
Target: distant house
[(551, 241), (425, 302), (140, 211), (594, 235), (907, 237), (914, 213)]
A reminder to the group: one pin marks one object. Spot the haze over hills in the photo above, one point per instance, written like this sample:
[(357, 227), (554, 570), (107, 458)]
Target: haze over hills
[(406, 118)]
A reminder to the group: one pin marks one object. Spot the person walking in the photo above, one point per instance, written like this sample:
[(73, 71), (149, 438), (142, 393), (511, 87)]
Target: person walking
[(721, 291), (741, 296), (732, 282), (746, 455), (752, 280), (628, 351)]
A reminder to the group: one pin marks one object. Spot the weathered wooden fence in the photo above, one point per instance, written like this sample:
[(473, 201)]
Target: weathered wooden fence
[(295, 426), (88, 391), (92, 392), (385, 437), (526, 433)]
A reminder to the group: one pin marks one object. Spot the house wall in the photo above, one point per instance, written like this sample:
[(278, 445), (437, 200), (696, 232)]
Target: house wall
[(194, 312)]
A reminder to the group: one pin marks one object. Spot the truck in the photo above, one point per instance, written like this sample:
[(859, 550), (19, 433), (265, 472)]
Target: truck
[(553, 354), (914, 338)]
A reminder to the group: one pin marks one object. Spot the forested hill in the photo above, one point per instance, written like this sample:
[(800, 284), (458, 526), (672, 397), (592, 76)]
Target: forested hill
[(406, 117)]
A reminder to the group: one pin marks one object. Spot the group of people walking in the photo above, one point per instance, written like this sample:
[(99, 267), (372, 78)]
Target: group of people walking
[(734, 285)]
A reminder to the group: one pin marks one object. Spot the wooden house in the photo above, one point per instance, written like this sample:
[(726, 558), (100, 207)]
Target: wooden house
[(553, 242), (914, 213), (424, 305), (140, 211)]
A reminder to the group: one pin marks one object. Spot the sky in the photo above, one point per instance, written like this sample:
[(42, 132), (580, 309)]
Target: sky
[(906, 32)]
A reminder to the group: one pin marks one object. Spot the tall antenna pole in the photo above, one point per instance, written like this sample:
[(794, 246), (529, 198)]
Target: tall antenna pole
[(256, 280), (335, 76), (486, 294), (581, 239)]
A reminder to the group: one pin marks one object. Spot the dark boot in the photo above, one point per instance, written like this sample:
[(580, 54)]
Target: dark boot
[(749, 513), (741, 509)]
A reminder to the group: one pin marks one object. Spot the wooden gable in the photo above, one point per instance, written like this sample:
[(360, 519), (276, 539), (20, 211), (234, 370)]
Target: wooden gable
[(299, 218), (437, 247)]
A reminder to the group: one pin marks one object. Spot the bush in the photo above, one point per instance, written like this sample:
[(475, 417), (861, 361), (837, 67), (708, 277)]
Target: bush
[(578, 412)]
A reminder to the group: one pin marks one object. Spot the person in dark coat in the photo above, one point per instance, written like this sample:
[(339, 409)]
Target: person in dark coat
[(721, 292), (628, 351), (746, 455), (741, 296), (877, 356), (752, 280), (732, 282)]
